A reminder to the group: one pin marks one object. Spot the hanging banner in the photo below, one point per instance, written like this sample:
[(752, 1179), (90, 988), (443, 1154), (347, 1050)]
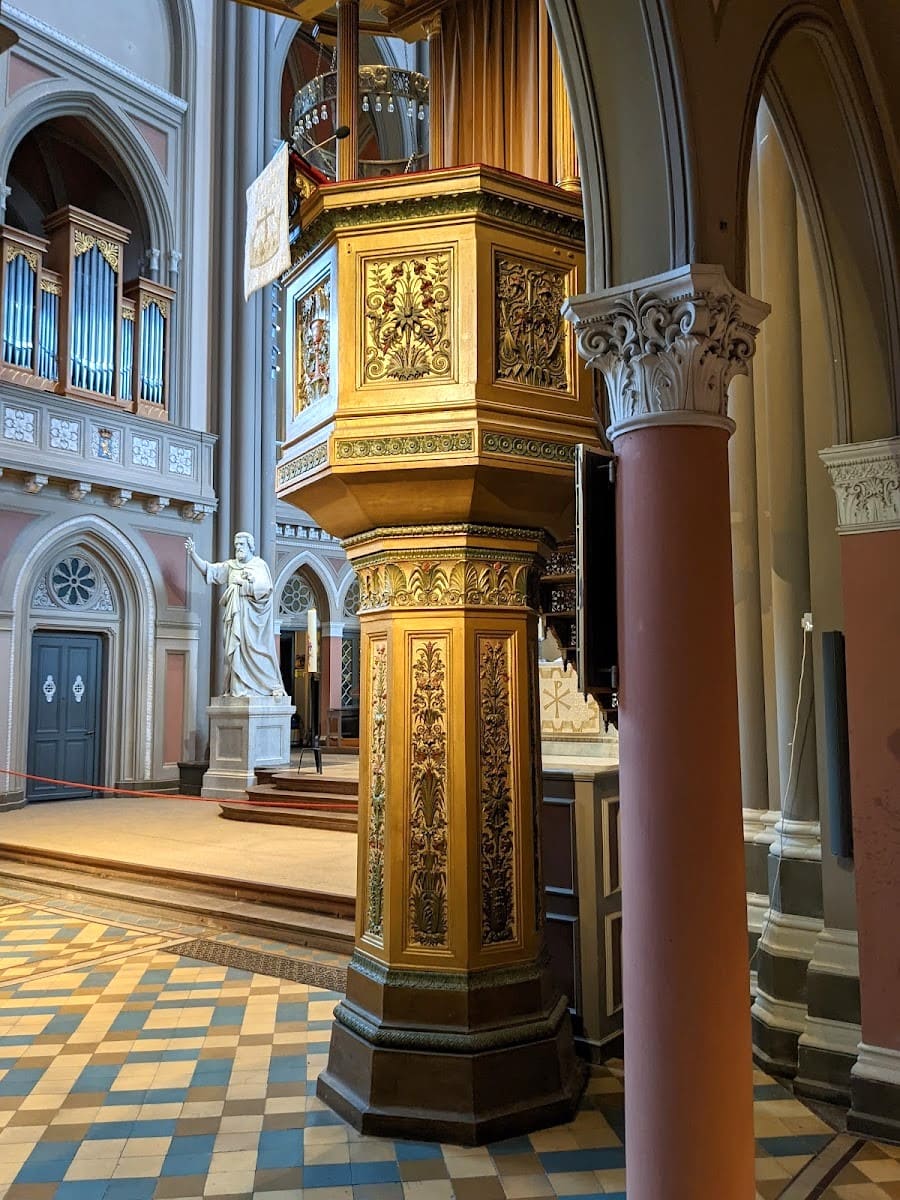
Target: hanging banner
[(267, 251)]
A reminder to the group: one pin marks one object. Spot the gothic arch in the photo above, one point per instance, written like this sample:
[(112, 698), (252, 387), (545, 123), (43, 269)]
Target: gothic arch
[(321, 586), (633, 145), (129, 631), (139, 174)]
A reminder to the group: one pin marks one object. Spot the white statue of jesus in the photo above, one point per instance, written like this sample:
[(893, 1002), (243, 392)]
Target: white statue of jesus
[(250, 665)]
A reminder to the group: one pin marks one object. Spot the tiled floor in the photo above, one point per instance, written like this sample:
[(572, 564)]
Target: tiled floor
[(129, 1071)]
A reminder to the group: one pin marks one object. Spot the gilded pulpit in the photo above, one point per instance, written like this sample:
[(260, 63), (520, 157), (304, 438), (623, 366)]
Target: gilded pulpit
[(435, 397)]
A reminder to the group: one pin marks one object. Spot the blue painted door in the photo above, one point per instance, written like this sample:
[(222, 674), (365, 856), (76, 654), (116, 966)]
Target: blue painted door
[(64, 727)]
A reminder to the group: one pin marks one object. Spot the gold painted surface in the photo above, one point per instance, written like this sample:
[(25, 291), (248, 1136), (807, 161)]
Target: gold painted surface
[(377, 709), (498, 835), (30, 256), (407, 332), (440, 578), (532, 334), (86, 241), (428, 842), (312, 335)]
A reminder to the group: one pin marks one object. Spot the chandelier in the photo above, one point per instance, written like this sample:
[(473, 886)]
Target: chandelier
[(393, 111)]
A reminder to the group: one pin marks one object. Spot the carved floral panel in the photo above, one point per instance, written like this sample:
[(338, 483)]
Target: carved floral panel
[(377, 790), (428, 838), (407, 334), (495, 780), (532, 346), (312, 369)]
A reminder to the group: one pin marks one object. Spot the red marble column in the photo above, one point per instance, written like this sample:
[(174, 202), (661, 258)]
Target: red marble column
[(866, 479), (688, 1071), (668, 348)]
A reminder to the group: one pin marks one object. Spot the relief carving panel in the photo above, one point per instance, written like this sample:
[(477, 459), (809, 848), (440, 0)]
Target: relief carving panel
[(532, 347), (498, 906), (407, 333), (428, 836), (312, 370), (377, 791)]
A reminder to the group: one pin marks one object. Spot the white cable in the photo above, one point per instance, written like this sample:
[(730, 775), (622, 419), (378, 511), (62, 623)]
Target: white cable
[(784, 800)]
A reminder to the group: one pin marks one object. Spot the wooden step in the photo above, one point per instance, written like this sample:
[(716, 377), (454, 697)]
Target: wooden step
[(269, 795), (293, 915), (305, 816), (296, 781)]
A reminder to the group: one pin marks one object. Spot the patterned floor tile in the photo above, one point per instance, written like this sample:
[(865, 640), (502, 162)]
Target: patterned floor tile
[(141, 1062)]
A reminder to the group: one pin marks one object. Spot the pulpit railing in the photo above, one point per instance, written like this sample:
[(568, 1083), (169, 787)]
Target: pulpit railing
[(71, 325)]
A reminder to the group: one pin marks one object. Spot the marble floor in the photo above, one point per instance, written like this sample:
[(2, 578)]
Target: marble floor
[(141, 1061)]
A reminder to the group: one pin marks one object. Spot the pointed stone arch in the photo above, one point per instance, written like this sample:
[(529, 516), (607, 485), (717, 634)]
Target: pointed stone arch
[(128, 626)]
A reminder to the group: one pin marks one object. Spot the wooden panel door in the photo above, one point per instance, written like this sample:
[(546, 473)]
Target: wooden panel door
[(65, 714)]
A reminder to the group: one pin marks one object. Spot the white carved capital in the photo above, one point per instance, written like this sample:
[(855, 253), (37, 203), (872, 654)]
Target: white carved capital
[(668, 346), (866, 481)]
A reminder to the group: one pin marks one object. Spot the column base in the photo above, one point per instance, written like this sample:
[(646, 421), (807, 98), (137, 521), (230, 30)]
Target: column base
[(875, 1093), (460, 1058)]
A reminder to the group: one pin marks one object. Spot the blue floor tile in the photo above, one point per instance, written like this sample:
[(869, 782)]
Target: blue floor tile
[(412, 1151), (82, 1189), (608, 1158), (375, 1172), (334, 1176), (784, 1147), (185, 1164), (130, 1189)]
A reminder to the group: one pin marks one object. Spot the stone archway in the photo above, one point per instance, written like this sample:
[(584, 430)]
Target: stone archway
[(121, 608)]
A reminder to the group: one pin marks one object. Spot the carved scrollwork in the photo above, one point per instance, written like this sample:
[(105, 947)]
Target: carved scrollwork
[(377, 791), (532, 342), (408, 318), (313, 367), (30, 256), (444, 579), (498, 911), (86, 241), (866, 481), (673, 347), (428, 839)]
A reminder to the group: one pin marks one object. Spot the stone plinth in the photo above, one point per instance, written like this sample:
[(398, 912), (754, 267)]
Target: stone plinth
[(245, 732)]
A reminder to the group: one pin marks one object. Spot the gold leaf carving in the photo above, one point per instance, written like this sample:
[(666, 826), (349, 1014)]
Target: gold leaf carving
[(30, 256), (428, 923), (86, 241), (532, 339), (377, 791), (407, 318), (161, 303), (313, 340), (498, 903), (444, 579)]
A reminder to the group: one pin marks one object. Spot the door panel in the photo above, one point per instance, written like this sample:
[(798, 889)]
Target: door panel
[(65, 713)]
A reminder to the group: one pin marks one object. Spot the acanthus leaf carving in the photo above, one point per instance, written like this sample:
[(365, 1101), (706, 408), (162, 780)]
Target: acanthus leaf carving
[(428, 835), (669, 345), (866, 481), (377, 791), (498, 911)]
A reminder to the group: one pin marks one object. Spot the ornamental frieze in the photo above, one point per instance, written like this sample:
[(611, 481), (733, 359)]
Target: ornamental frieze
[(498, 911), (301, 465), (407, 314), (523, 447), (377, 791), (86, 241), (312, 369), (444, 579), (428, 836), (532, 347), (406, 445)]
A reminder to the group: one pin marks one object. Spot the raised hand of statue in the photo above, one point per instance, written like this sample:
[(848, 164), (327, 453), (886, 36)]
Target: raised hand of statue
[(189, 545)]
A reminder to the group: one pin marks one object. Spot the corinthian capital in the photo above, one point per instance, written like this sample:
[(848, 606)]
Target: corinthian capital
[(668, 346)]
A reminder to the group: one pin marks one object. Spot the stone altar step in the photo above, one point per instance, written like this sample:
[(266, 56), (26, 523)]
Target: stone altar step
[(284, 797)]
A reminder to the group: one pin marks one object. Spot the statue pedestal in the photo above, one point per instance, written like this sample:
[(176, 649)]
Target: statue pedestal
[(245, 732)]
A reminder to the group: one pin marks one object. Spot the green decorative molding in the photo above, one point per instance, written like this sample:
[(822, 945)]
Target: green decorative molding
[(406, 445), (517, 212), (308, 461), (521, 447)]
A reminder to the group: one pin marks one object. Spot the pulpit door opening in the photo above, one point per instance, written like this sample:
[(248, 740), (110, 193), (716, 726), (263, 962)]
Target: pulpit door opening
[(65, 718)]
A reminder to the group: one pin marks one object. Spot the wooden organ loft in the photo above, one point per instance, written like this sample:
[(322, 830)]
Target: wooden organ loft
[(72, 325)]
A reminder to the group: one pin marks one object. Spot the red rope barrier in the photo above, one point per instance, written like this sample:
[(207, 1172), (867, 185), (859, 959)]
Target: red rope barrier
[(115, 791)]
